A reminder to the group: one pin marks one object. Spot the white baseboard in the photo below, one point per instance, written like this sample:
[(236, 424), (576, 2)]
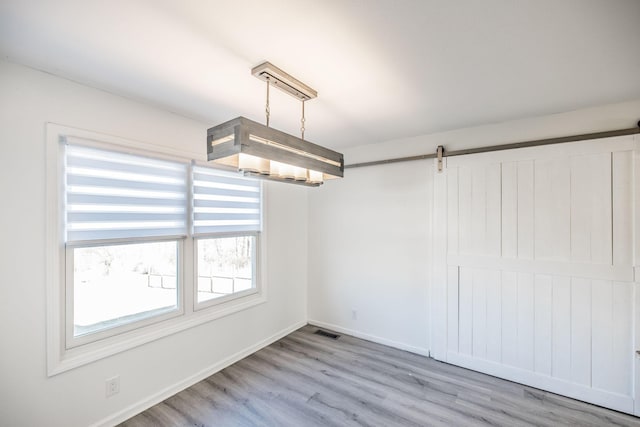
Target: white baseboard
[(167, 392), (372, 338)]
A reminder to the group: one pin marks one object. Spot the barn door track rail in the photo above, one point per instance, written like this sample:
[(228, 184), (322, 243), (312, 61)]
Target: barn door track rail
[(441, 152)]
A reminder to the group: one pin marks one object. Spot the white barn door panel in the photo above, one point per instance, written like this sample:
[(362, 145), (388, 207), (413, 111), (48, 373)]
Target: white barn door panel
[(534, 269)]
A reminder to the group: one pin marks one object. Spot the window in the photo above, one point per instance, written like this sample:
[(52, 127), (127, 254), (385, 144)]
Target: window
[(226, 226), (148, 244), (114, 202)]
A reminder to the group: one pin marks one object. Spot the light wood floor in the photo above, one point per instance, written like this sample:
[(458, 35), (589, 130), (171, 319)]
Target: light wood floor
[(309, 380)]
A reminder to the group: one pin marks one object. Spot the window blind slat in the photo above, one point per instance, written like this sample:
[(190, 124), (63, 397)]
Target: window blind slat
[(78, 199), (86, 181), (224, 203), (135, 162), (224, 182), (111, 195), (115, 217), (224, 193), (213, 204), (222, 228), (82, 163), (226, 216)]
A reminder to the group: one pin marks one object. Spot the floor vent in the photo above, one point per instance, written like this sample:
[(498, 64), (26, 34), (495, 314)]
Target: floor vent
[(327, 334)]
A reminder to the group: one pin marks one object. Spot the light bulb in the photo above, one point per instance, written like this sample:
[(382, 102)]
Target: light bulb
[(247, 162), (299, 174), (316, 177)]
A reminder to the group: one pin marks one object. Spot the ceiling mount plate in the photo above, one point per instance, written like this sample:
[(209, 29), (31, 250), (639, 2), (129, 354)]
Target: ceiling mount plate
[(283, 81)]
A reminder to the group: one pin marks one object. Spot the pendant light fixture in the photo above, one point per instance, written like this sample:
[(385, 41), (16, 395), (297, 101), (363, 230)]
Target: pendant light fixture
[(261, 151)]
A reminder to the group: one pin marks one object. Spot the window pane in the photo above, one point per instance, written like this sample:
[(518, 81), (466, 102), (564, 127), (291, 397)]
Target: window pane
[(225, 266), (119, 284)]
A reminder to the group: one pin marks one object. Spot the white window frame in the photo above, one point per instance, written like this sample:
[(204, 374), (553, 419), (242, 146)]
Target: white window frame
[(162, 314), (64, 353), (222, 300)]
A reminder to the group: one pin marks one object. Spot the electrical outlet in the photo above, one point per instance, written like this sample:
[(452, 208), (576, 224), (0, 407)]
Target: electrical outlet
[(354, 314), (112, 385)]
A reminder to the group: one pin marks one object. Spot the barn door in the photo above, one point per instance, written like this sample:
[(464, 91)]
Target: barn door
[(534, 268)]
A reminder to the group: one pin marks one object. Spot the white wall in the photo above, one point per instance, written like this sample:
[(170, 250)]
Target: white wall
[(368, 251), (28, 100), (369, 236)]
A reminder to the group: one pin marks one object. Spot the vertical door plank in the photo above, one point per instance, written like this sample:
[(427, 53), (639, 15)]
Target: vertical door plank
[(464, 208), (479, 210), (581, 183), (452, 311), (543, 316), (494, 210), (622, 199), (561, 360), (452, 210), (479, 314), (622, 337), (552, 210), (525, 209), (591, 208), (600, 206), (494, 315), (509, 210), (581, 330), (525, 321), (601, 334), (465, 314), (509, 318)]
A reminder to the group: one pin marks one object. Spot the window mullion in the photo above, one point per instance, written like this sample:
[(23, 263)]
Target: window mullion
[(189, 273)]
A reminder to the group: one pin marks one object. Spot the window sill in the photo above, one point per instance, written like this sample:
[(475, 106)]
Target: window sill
[(82, 355)]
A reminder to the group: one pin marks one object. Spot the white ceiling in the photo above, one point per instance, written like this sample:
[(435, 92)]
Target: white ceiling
[(383, 69)]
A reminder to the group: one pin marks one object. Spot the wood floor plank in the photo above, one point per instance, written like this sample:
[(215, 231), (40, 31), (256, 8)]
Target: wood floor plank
[(310, 380)]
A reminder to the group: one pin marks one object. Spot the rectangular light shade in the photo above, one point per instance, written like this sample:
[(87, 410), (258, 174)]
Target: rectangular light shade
[(270, 154)]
